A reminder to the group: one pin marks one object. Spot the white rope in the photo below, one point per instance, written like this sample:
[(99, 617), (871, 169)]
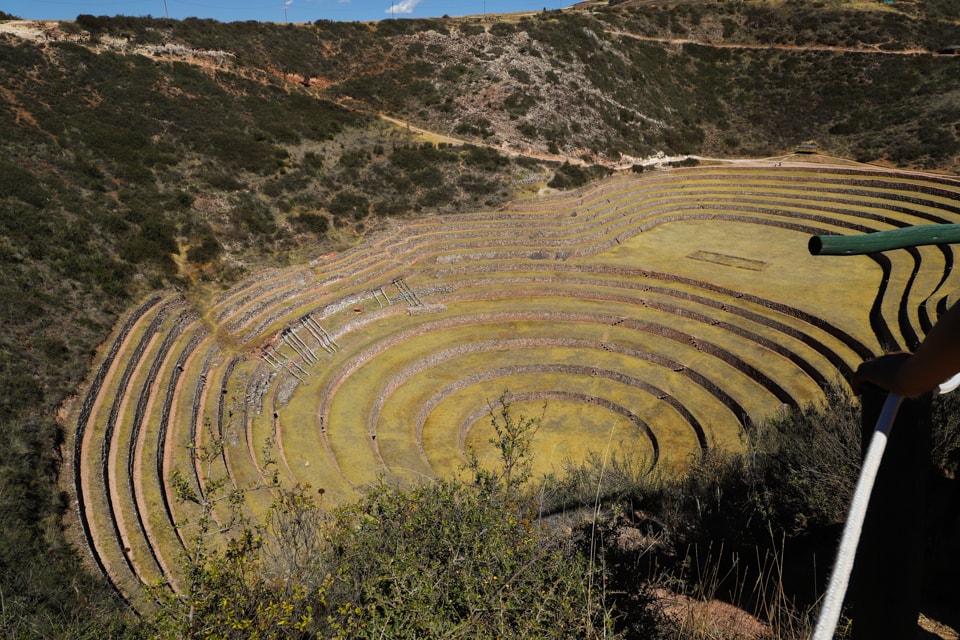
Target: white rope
[(833, 600), (949, 385)]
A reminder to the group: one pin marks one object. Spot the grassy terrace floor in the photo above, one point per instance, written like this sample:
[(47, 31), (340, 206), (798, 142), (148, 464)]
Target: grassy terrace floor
[(656, 314)]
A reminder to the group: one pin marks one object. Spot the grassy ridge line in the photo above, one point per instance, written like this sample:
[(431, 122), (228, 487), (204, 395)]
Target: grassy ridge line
[(114, 431), (167, 415), (147, 483), (139, 547), (701, 304), (83, 435), (174, 440), (456, 416), (553, 371), (93, 482), (136, 548), (895, 184), (942, 187), (143, 420), (240, 461), (129, 435), (237, 444), (313, 301)]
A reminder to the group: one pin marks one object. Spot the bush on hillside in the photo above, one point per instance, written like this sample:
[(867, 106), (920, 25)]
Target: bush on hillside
[(311, 222), (349, 204), (571, 176), (484, 158), (206, 250)]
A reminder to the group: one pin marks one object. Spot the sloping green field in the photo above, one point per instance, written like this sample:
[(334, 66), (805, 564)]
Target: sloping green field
[(654, 315)]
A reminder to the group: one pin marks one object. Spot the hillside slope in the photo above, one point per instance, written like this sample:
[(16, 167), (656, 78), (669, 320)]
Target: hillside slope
[(138, 154)]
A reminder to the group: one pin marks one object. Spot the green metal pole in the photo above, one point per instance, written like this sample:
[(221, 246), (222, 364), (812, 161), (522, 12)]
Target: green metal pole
[(884, 240)]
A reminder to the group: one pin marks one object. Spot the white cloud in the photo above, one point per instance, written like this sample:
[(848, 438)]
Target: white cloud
[(404, 6), (286, 5)]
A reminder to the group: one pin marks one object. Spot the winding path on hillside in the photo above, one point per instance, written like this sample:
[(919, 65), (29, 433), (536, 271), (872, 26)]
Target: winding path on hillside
[(781, 47)]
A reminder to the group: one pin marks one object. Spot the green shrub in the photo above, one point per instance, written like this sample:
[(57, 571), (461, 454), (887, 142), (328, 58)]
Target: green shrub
[(453, 560), (570, 176), (407, 26), (437, 196), (311, 222), (453, 72), (21, 184), (312, 161), (393, 206), (223, 181), (253, 216), (445, 559), (946, 435), (241, 151), (419, 92), (475, 127), (501, 29), (463, 560), (470, 29), (484, 158), (519, 103), (354, 158), (419, 157), (207, 250), (416, 49), (427, 177), (349, 204), (478, 186), (519, 74)]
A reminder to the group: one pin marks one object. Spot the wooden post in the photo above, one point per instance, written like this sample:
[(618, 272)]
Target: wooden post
[(885, 585)]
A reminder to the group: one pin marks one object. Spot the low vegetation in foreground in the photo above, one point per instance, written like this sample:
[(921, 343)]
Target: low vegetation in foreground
[(588, 554)]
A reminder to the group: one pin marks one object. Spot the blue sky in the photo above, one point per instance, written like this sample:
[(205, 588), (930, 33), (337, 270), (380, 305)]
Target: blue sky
[(270, 10)]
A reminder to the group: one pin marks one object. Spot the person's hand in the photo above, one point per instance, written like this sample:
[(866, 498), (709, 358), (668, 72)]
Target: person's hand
[(883, 372)]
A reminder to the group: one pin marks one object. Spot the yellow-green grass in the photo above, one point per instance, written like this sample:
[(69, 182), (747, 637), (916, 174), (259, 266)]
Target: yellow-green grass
[(451, 233), (568, 431), (832, 288), (148, 482), (432, 344), (178, 445), (133, 506), (633, 287), (94, 485), (460, 420), (646, 312), (702, 316), (357, 394), (124, 510)]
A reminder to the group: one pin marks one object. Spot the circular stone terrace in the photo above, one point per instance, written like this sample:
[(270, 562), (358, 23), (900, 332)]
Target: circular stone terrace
[(653, 316)]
